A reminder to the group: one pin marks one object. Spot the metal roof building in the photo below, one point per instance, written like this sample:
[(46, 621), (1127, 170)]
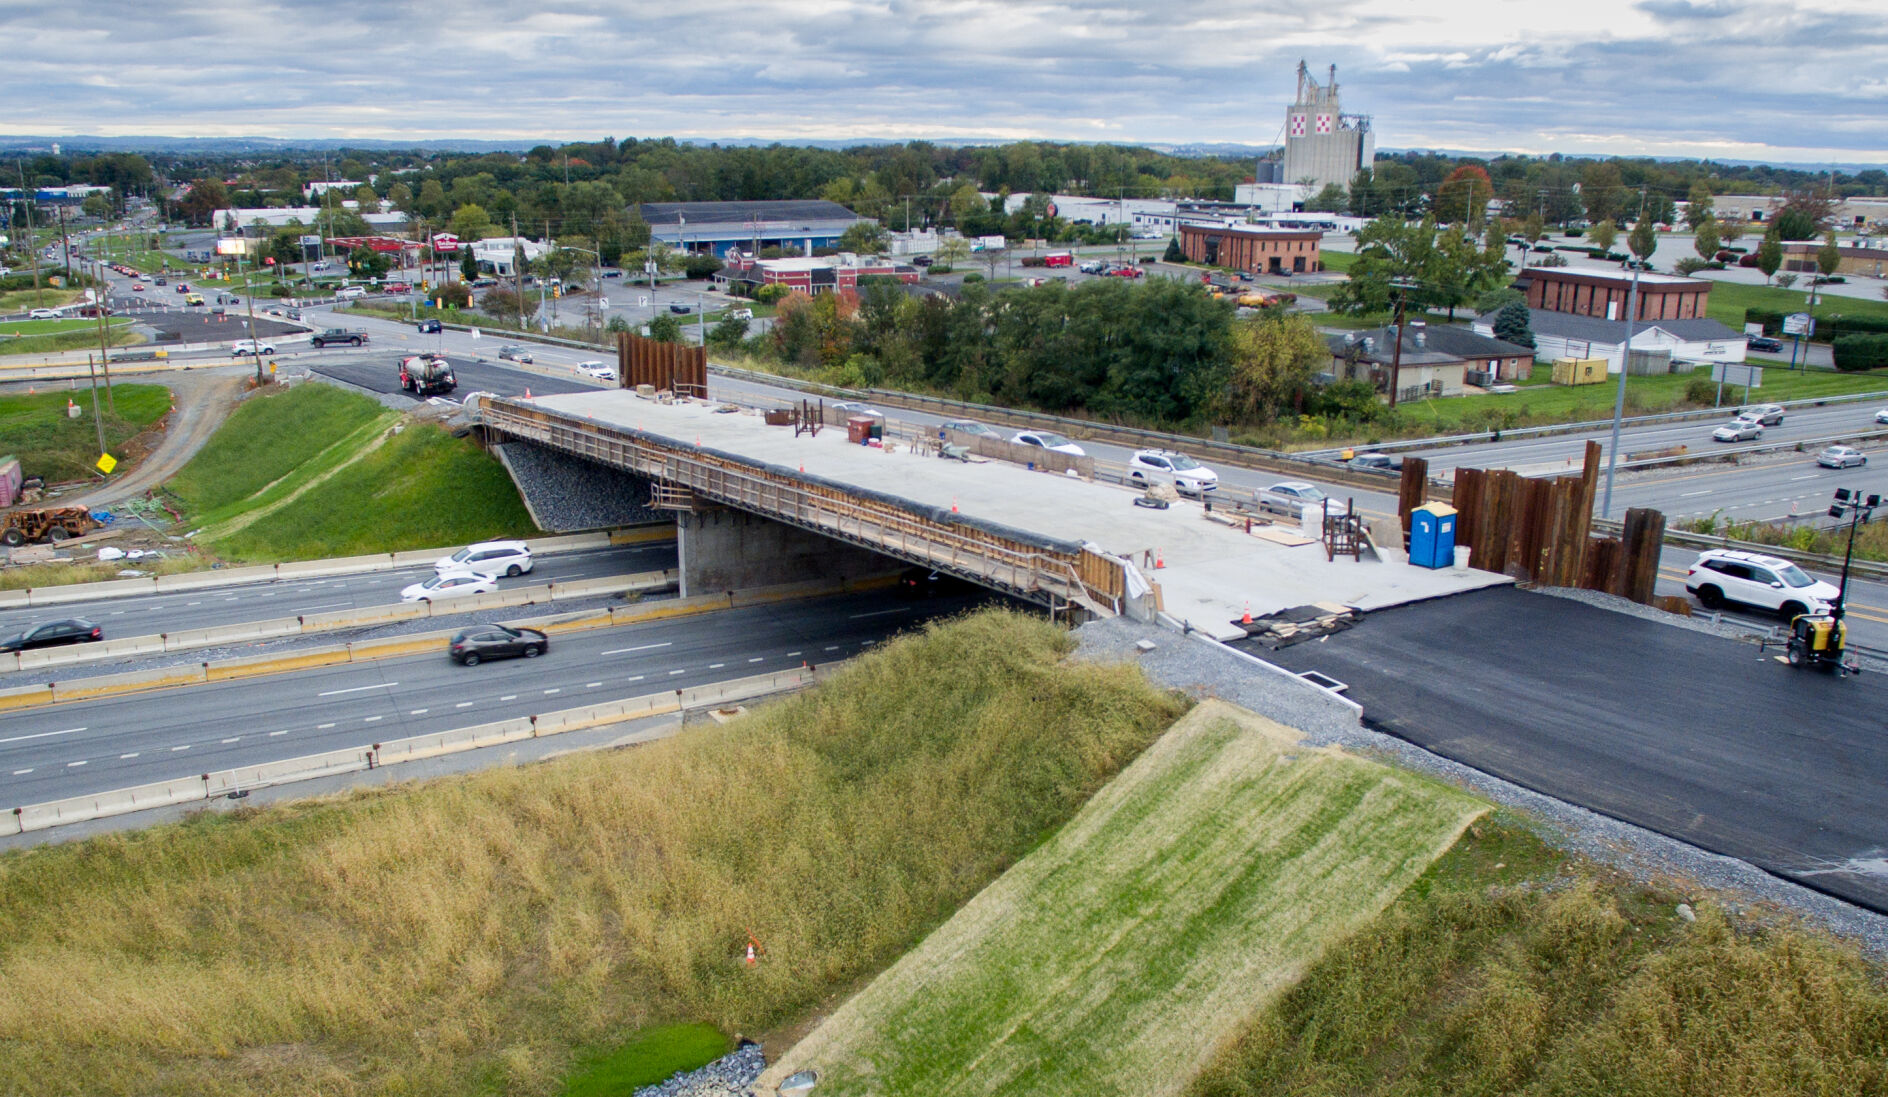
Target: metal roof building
[(719, 227)]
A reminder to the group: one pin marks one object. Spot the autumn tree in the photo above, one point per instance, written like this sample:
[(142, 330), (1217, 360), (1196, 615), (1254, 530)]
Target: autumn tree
[(1274, 361), (1464, 196)]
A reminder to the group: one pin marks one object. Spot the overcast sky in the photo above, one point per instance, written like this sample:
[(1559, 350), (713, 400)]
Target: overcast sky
[(1734, 79)]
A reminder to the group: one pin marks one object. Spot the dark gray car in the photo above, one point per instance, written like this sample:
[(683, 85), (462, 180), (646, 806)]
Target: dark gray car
[(72, 630)]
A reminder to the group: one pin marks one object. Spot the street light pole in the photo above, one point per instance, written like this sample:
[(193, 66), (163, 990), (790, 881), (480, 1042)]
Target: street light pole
[(1625, 363)]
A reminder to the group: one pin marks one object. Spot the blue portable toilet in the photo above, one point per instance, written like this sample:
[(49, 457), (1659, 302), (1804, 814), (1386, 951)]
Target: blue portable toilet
[(1432, 536)]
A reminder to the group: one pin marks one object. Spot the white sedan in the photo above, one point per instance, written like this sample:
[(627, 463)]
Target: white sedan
[(1882, 416), (1049, 440), (449, 585), (250, 346)]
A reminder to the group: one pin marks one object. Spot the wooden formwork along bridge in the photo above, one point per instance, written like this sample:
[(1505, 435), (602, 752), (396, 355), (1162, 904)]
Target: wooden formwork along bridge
[(1064, 576)]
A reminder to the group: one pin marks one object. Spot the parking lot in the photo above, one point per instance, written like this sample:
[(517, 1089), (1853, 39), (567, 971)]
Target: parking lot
[(1688, 734)]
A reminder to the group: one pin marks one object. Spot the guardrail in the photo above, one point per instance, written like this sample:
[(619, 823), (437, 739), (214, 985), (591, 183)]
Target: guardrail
[(315, 623), (1864, 569), (241, 780), (304, 569)]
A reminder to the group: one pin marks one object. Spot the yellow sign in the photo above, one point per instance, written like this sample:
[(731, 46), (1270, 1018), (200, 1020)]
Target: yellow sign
[(106, 462)]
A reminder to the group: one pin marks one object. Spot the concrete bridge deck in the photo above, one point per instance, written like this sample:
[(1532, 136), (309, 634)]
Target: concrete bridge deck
[(1210, 573)]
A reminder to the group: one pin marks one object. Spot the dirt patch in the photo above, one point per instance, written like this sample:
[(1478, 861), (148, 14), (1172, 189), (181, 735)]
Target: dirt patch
[(202, 400)]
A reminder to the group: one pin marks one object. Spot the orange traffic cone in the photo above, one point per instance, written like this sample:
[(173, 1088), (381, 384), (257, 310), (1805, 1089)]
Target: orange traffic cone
[(750, 953), (527, 392), (953, 504), (1246, 617), (1158, 562)]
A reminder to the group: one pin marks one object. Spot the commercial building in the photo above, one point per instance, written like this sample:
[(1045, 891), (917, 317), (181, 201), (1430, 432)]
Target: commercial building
[(1604, 294), (1247, 247), (723, 227), (1323, 145), (499, 254), (1866, 257), (1846, 214), (1570, 335), (811, 276)]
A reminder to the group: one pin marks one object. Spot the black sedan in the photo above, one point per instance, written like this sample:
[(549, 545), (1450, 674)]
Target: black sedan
[(428, 326), (73, 630), (1764, 342), (471, 646)]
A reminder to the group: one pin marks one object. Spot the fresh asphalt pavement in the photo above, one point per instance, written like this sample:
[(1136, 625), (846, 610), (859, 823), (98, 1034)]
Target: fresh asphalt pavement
[(147, 615), (381, 373), (83, 747), (1691, 735)]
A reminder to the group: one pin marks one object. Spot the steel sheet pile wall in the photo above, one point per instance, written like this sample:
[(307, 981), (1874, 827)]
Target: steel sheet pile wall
[(1540, 530), (680, 369)]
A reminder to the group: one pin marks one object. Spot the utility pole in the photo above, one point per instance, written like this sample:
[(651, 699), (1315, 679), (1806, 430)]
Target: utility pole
[(32, 238), (1625, 365), (255, 341), (97, 420), (517, 268), (65, 241)]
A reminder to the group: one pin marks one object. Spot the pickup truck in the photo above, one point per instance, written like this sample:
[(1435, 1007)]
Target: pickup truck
[(337, 335)]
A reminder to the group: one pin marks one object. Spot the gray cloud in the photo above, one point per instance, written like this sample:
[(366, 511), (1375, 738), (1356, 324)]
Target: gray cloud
[(1664, 77)]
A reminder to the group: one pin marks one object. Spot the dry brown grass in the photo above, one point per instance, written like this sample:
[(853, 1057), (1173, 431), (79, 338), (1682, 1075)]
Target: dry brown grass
[(466, 935)]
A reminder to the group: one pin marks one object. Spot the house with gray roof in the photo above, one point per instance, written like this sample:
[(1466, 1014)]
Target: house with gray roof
[(1569, 335), (1438, 360)]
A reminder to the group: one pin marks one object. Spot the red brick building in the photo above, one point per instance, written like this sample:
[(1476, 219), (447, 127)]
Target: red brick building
[(1248, 247), (1603, 293)]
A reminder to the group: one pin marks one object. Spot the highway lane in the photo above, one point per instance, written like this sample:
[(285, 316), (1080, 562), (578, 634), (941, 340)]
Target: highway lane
[(381, 373), (1866, 609), (89, 746), (1782, 487), (145, 615)]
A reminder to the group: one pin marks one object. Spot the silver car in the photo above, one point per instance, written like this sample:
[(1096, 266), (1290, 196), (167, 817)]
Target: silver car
[(1739, 430), (1841, 457)]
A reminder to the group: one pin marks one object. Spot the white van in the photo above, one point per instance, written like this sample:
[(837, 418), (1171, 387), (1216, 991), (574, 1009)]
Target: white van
[(348, 293)]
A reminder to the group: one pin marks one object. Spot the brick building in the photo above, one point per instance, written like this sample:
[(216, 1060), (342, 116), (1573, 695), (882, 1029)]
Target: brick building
[(1604, 294), (1259, 250), (809, 276)]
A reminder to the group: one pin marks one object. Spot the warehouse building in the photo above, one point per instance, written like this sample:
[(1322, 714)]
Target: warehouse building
[(1247, 247), (720, 227), (1604, 294)]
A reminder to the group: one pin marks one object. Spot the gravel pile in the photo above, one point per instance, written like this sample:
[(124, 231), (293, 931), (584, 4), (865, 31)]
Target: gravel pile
[(1200, 667), (732, 1075), (565, 494)]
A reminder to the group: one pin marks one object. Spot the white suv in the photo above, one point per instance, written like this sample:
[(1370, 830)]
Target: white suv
[(1160, 466), (250, 346), (489, 558), (1720, 576)]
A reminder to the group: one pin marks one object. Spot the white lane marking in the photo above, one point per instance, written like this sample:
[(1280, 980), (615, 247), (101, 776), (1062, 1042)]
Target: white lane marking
[(371, 719), (234, 739), (832, 647), (557, 689), (273, 734), (791, 654), (21, 772), (323, 727), (417, 712), (756, 659), (41, 735), (643, 647), (232, 599), (193, 603), (133, 754), (684, 670), (591, 685), (875, 613), (174, 750), (716, 666), (633, 678), (326, 605), (509, 697), (117, 613), (1811, 476), (356, 689), (463, 704), (1689, 494), (80, 762)]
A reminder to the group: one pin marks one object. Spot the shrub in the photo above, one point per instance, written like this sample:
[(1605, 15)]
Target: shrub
[(1575, 234), (701, 266), (973, 276), (1702, 390), (1689, 265), (1860, 352), (768, 295)]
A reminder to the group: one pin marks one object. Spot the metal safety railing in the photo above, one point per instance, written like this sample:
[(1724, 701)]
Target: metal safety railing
[(686, 475)]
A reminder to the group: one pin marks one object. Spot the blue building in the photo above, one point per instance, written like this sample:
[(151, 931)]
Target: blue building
[(720, 227)]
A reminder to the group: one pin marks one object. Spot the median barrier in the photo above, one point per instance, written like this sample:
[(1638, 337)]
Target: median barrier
[(86, 653), (9, 661), (738, 689), (576, 622), (413, 558), (609, 712), (643, 535), (185, 639), (25, 697), (609, 584), (398, 647), (130, 645), (253, 666), (15, 599), (571, 542), (669, 607), (368, 615), (131, 681), (216, 577), (80, 592), (419, 747), (341, 565), (78, 809), (498, 599)]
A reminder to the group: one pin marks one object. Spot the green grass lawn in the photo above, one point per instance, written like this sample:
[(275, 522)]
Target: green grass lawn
[(48, 443), (651, 1056), (419, 489), (25, 328), (1183, 898), (1730, 299), (1337, 260), (25, 300), (269, 440)]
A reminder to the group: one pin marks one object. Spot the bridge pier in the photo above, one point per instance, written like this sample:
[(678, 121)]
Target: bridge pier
[(724, 549)]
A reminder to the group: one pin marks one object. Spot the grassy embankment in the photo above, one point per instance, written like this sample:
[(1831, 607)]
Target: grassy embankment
[(48, 443), (496, 932), (1510, 968), (316, 471), (52, 336), (25, 300), (1122, 952)]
